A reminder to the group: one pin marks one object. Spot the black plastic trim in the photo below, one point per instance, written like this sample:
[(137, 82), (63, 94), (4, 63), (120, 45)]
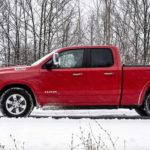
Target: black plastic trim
[(100, 107), (136, 65), (122, 84)]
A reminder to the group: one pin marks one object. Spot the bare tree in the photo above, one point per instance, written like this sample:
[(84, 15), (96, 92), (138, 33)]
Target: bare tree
[(31, 28)]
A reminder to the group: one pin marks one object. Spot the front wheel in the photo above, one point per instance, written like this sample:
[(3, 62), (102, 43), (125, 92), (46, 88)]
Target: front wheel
[(145, 109), (16, 102)]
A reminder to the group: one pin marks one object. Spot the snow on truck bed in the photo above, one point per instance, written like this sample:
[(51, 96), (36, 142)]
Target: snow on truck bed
[(56, 134)]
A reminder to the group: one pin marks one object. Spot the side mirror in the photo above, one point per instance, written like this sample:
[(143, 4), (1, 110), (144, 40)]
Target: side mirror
[(56, 61)]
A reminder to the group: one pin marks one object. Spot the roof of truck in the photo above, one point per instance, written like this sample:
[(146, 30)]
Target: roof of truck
[(90, 46)]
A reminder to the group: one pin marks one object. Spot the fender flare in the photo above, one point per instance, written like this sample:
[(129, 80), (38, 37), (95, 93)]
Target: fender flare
[(143, 93), (22, 83)]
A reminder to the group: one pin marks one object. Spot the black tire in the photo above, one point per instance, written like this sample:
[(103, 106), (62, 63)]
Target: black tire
[(141, 111), (16, 102), (144, 110)]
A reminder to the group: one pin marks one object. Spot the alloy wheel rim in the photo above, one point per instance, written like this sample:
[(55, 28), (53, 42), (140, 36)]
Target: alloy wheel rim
[(16, 104)]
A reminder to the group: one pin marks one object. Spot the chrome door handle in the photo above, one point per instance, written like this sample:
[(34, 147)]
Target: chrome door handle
[(77, 74), (108, 73)]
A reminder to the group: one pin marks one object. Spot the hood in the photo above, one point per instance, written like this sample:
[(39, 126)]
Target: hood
[(13, 68)]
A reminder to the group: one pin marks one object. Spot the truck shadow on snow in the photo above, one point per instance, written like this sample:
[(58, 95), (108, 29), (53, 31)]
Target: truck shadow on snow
[(93, 117), (120, 117)]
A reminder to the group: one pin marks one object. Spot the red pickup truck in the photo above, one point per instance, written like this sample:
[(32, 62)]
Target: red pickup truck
[(79, 77)]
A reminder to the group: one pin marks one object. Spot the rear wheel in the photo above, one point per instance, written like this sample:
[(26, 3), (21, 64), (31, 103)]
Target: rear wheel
[(141, 111), (16, 102), (145, 109)]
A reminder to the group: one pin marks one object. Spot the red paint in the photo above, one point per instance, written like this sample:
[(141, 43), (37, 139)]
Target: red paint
[(93, 87)]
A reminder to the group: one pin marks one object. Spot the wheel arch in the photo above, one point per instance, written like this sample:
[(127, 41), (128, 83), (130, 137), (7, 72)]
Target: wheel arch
[(143, 93), (24, 86)]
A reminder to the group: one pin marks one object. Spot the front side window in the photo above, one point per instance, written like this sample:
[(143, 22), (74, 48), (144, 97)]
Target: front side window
[(101, 57), (71, 59)]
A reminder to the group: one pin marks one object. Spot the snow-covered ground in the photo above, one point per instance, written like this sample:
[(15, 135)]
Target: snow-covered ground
[(56, 134)]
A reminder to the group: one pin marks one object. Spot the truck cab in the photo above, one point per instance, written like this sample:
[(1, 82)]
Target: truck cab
[(82, 76)]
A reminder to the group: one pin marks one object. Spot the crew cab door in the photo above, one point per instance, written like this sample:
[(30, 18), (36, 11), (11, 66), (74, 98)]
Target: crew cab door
[(103, 77), (66, 84)]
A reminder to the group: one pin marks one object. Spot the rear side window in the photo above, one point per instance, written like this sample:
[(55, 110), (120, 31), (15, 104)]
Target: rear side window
[(101, 57)]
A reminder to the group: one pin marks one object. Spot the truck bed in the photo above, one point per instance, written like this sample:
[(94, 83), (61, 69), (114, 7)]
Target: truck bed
[(136, 79)]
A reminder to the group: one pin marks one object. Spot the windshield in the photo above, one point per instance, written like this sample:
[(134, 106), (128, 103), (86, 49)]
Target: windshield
[(43, 58)]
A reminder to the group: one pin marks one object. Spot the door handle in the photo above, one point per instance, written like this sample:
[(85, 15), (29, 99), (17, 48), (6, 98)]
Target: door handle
[(108, 73), (77, 74)]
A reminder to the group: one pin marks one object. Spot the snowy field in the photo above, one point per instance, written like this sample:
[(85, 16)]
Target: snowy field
[(62, 134)]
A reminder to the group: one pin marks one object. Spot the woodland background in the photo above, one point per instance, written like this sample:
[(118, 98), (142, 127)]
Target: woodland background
[(29, 29)]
